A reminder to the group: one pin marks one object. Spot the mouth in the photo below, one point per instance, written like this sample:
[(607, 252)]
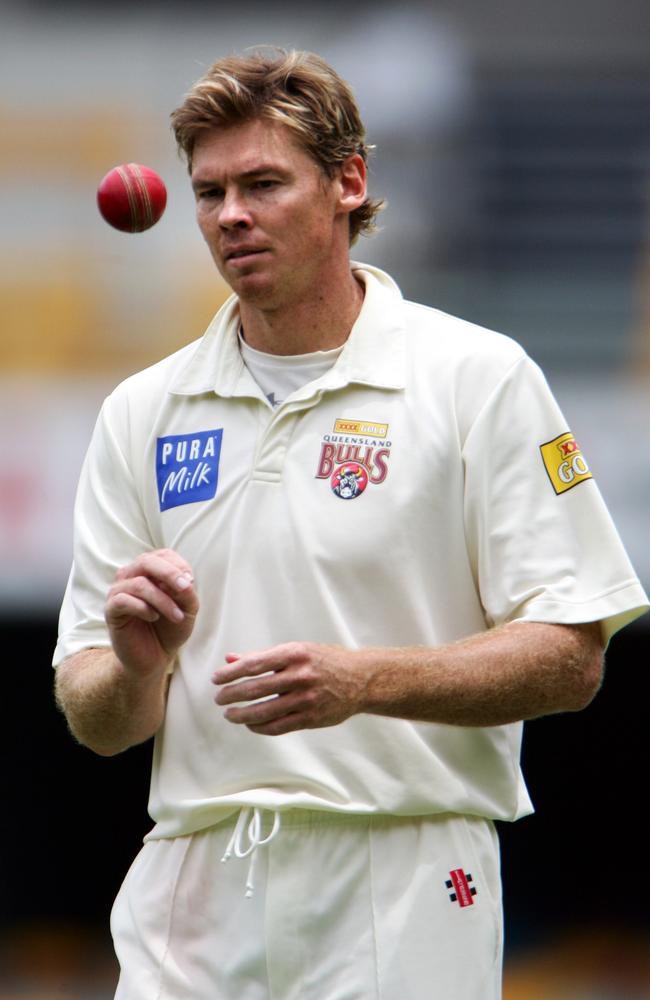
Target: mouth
[(244, 254)]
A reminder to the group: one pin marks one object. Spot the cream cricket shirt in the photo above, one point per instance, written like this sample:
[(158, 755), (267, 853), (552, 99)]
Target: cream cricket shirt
[(424, 489)]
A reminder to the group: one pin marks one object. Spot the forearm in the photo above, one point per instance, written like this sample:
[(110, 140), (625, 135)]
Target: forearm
[(520, 671), (107, 708)]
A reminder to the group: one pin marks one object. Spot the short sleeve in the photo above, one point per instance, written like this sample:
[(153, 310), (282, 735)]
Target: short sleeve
[(542, 543), (110, 530)]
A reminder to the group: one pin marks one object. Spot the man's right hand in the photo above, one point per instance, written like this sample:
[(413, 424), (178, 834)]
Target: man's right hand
[(150, 611)]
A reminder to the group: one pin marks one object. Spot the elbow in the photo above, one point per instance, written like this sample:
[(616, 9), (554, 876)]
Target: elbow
[(104, 750), (587, 682), (586, 661), (90, 741)]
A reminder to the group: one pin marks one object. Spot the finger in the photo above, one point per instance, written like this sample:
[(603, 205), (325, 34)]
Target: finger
[(250, 690), (142, 588), (164, 566), (286, 724), (229, 658), (123, 607), (174, 559), (163, 562), (263, 712), (163, 575), (251, 665)]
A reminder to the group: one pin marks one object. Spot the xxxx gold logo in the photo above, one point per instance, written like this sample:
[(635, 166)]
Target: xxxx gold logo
[(363, 427), (564, 462)]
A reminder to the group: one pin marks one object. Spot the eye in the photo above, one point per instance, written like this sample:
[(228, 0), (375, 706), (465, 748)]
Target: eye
[(265, 184), (207, 194)]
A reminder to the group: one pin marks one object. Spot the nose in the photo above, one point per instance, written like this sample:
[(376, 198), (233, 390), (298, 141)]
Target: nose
[(234, 213)]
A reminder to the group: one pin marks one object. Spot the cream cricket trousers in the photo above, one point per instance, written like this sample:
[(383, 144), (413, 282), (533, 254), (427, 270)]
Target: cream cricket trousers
[(342, 908)]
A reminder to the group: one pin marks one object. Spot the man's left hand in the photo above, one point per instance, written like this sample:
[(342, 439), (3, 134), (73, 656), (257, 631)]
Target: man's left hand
[(306, 686)]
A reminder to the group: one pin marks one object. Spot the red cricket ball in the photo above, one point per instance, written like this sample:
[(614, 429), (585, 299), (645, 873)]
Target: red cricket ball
[(132, 197)]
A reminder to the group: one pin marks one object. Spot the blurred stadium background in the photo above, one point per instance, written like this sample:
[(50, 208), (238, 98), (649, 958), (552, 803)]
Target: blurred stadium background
[(513, 147)]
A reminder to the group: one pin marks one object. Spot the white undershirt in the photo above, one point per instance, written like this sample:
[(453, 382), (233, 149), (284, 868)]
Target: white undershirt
[(278, 375)]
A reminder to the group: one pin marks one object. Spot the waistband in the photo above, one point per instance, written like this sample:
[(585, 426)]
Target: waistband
[(257, 826)]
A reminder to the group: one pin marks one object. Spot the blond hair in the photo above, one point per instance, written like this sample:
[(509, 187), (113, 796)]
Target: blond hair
[(297, 89)]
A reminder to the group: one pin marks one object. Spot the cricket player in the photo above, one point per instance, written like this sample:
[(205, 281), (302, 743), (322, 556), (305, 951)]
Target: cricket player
[(329, 556)]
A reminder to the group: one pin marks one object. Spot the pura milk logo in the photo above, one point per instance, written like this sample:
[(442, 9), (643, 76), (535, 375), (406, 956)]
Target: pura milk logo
[(187, 467)]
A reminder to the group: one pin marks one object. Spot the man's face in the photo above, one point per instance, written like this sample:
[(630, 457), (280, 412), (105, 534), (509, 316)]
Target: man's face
[(270, 217)]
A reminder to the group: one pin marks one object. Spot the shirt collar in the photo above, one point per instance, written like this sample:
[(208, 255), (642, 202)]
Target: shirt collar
[(373, 353)]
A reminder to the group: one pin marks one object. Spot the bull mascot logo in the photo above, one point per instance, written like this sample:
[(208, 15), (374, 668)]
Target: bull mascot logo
[(349, 481)]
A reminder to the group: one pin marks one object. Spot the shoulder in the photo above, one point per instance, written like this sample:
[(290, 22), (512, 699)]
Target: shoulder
[(434, 338), (141, 395), (136, 405), (461, 362), (159, 376), (449, 338)]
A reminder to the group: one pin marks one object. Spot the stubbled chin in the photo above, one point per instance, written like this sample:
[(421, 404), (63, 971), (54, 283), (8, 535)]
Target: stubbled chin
[(253, 287)]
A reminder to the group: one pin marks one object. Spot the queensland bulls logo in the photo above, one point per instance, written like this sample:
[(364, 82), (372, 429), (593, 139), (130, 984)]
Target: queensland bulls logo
[(354, 459), (349, 481)]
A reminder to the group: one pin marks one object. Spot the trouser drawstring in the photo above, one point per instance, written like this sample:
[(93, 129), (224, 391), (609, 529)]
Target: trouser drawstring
[(255, 840)]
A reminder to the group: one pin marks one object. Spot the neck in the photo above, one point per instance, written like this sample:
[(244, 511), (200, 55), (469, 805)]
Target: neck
[(318, 321)]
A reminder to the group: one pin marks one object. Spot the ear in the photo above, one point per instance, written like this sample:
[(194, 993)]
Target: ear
[(352, 180)]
